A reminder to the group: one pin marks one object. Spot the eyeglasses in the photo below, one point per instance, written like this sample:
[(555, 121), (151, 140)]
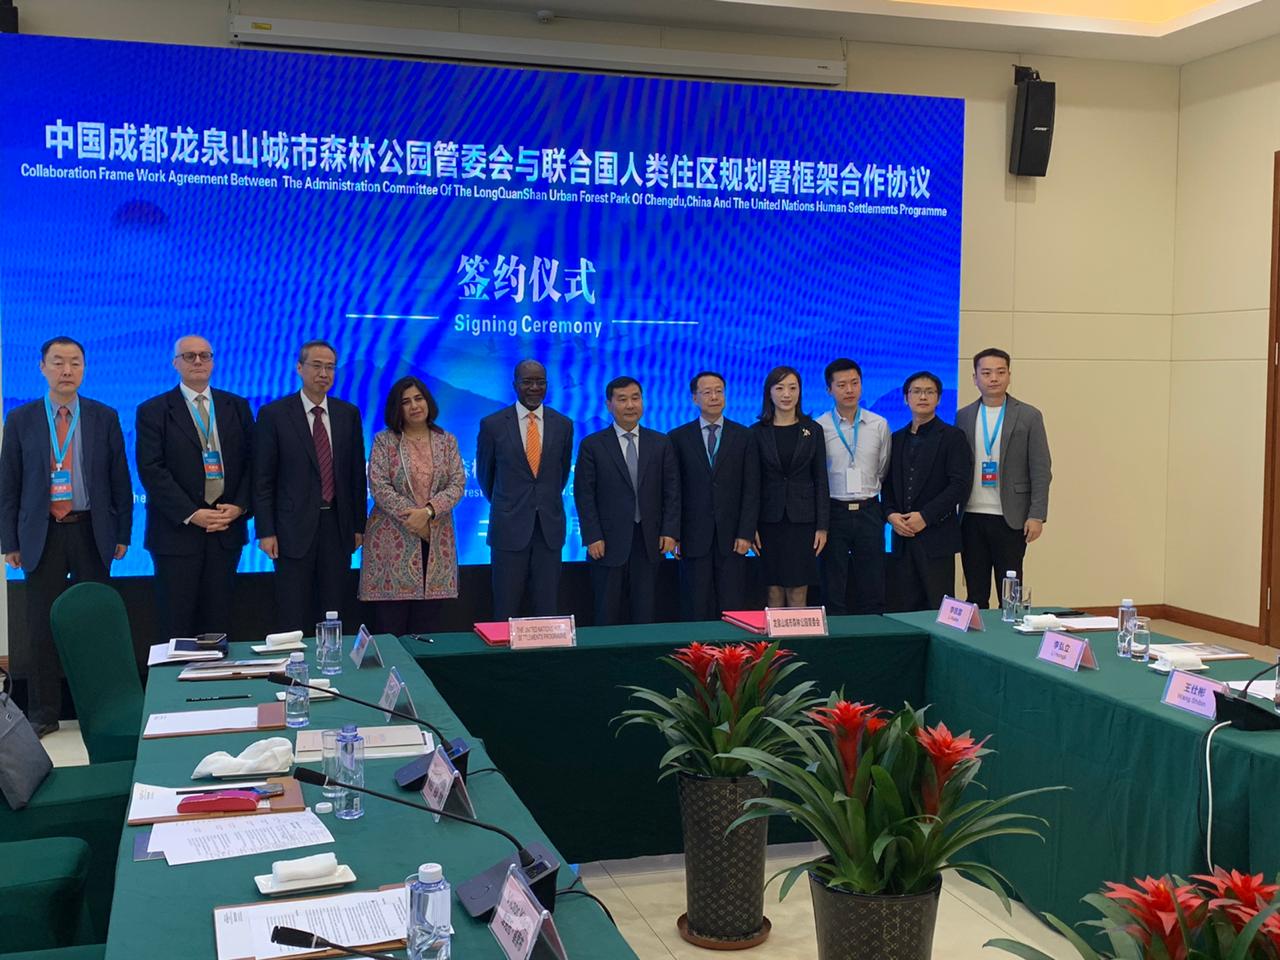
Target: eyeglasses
[(923, 392), (712, 393), (191, 357), (318, 367)]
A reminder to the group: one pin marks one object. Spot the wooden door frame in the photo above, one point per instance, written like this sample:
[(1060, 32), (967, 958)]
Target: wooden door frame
[(1269, 597)]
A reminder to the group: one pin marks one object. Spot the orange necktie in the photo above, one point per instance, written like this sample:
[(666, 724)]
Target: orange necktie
[(533, 445), (60, 508)]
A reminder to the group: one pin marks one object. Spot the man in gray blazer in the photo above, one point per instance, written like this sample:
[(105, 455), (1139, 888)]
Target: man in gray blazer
[(1009, 501)]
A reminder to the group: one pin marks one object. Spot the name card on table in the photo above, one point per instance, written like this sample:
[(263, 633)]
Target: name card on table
[(795, 621), (531, 633), (1070, 652), (444, 788), (394, 693), (1194, 694), (963, 616), (520, 923), (364, 644)]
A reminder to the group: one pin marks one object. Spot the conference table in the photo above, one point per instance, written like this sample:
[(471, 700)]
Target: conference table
[(1135, 768), (168, 911), (547, 717)]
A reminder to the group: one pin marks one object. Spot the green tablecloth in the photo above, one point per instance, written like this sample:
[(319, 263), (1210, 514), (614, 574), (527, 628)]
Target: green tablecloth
[(164, 911), (1137, 803), (545, 715)]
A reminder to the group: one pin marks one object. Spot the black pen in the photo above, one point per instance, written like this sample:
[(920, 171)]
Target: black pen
[(235, 696)]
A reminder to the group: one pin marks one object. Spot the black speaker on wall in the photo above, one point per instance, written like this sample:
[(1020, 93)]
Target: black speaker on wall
[(8, 17), (1032, 124)]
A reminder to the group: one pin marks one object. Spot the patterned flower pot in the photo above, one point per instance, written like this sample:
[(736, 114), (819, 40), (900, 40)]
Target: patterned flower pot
[(854, 926), (724, 874)]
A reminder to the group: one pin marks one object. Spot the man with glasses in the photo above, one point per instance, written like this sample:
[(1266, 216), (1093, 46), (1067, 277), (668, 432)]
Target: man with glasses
[(66, 509), (719, 503), (930, 469), (194, 460), (523, 455), (309, 493)]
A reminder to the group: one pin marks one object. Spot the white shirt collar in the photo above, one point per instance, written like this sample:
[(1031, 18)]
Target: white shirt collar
[(191, 395), (622, 433), (522, 411), (307, 404), (703, 422), (862, 415)]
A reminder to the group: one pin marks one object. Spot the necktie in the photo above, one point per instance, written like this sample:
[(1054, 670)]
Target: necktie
[(324, 454), (633, 468), (533, 444), (712, 429), (62, 423), (212, 488)]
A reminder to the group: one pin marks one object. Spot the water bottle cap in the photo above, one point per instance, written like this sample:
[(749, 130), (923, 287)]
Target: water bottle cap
[(349, 729), (331, 614), (1011, 573), (430, 873), (297, 656), (1126, 602), (324, 806)]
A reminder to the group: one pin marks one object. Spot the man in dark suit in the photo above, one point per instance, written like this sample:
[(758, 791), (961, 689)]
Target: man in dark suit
[(627, 490), (930, 469), (66, 508), (719, 501), (1009, 500), (309, 494), (194, 461), (523, 455)]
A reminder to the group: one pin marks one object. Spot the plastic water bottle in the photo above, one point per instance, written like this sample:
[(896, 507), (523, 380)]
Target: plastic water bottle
[(297, 700), (350, 771), (430, 929), (329, 644), (1010, 594), (1124, 627)]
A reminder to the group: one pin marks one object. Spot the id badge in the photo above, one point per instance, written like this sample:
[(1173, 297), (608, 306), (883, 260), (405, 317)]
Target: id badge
[(990, 473), (212, 465), (59, 485), (852, 481)]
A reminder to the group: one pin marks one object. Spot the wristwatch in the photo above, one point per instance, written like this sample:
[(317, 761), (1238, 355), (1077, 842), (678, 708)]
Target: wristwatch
[(431, 511)]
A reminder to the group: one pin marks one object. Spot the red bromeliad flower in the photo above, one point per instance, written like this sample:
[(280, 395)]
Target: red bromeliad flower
[(947, 751), (700, 658), (758, 649), (1153, 906), (1240, 896), (847, 722), (732, 662)]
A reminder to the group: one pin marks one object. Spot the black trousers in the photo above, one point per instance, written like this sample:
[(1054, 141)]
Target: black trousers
[(921, 581), (628, 588), (531, 574), (989, 549), (711, 584), (857, 535), (194, 590), (319, 581), (401, 617), (69, 550)]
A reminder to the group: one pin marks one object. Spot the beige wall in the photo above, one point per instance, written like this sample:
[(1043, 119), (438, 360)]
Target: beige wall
[(1074, 274)]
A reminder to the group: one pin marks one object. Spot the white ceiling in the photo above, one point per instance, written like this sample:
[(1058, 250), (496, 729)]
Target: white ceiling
[(1220, 26)]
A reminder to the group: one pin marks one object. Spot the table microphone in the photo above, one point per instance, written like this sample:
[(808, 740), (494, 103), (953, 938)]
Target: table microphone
[(1240, 712), (414, 773), (480, 894), (293, 937)]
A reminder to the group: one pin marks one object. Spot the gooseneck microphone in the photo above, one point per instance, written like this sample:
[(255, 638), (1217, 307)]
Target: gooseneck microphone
[(479, 895), (293, 937), (1240, 712), (413, 774)]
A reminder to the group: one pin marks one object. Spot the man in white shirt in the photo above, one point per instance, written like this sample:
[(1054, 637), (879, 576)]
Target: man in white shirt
[(857, 459), (1009, 501)]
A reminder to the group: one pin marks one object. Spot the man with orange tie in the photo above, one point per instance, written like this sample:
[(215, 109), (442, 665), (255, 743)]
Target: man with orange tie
[(522, 461), (66, 508)]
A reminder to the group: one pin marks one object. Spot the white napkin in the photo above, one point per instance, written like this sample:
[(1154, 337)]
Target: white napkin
[(284, 639), (262, 756), (1041, 621), (305, 868), (1181, 660)]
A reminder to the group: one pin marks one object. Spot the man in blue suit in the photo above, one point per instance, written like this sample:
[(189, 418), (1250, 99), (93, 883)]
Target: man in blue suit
[(719, 503), (66, 508), (523, 454), (627, 490)]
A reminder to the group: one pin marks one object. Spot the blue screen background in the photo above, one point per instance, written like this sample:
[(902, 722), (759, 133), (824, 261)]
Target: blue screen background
[(128, 266)]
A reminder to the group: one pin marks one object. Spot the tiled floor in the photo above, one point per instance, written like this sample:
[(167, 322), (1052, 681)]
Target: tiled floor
[(647, 895)]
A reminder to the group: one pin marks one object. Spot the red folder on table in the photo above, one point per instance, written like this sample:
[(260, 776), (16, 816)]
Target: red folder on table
[(495, 634), (750, 620)]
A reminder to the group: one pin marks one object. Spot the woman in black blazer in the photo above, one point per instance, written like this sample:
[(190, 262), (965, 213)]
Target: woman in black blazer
[(794, 499)]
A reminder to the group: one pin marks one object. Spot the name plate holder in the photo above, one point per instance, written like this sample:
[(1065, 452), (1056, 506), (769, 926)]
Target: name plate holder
[(365, 646), (960, 615), (1192, 693), (523, 927), (444, 788), (795, 622), (394, 693), (1065, 651), (535, 633)]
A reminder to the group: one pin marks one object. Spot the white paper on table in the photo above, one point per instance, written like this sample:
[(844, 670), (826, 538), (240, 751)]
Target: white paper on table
[(150, 802), (1262, 689), (198, 841), (1090, 623), (398, 740), (357, 919), (201, 721)]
